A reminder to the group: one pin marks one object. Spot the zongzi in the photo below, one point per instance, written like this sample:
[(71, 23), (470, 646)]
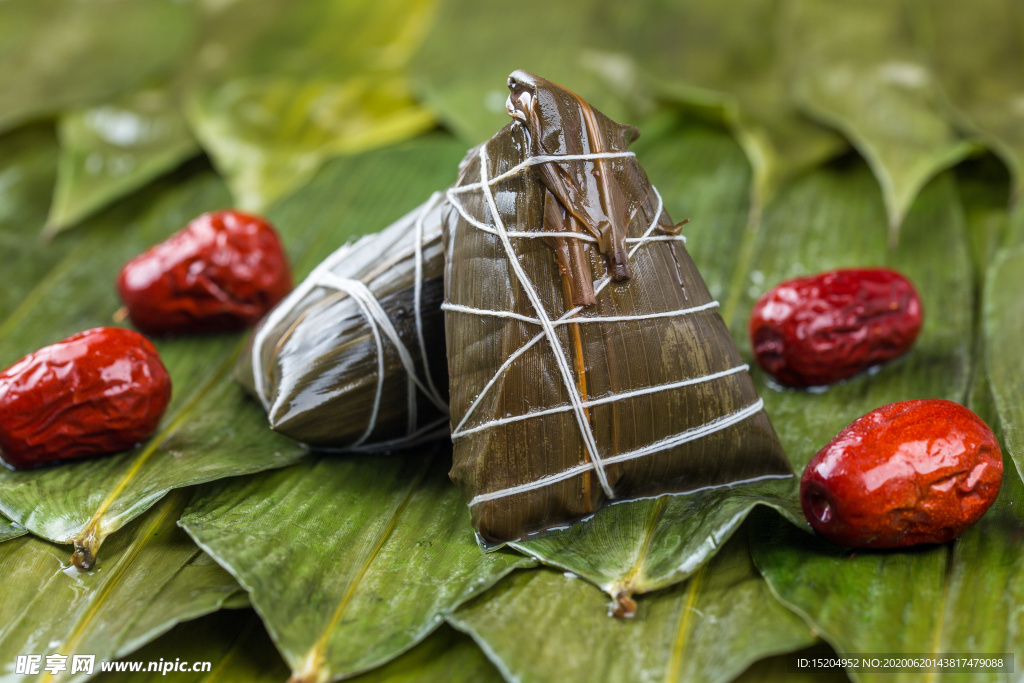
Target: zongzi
[(353, 359), (587, 359)]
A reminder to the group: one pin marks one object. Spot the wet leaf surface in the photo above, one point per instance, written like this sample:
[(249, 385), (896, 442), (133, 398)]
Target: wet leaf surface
[(698, 53), (273, 105), (58, 54), (152, 578), (239, 650), (111, 150), (350, 561), (710, 628), (977, 53), (857, 70)]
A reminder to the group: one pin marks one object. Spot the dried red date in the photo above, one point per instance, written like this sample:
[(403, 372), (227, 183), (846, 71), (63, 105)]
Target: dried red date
[(99, 391), (827, 327), (907, 473), (220, 274)]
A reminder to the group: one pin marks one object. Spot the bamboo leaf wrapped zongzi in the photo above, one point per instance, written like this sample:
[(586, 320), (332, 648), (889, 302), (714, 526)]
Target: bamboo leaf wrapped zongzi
[(353, 358), (587, 359)]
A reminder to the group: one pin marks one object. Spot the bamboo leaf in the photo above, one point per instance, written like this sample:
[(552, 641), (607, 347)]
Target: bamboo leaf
[(211, 430), (322, 546), (269, 128), (111, 150), (560, 41), (28, 168), (856, 69), (9, 530), (977, 53), (446, 655), (1003, 324), (234, 642), (780, 668), (643, 546), (58, 54), (699, 53), (154, 578), (238, 648), (984, 186), (708, 629)]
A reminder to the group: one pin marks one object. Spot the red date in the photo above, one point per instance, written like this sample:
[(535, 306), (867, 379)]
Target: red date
[(100, 391), (824, 328), (906, 473), (222, 273)]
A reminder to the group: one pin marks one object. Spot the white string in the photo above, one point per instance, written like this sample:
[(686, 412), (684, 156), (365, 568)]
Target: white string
[(458, 308), (611, 398), (582, 236), (665, 444), (540, 159)]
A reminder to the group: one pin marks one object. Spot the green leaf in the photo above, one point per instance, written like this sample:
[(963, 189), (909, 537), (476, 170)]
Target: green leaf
[(834, 218), (111, 150), (643, 546), (977, 53), (60, 54), (855, 68), (461, 70), (781, 669), (234, 642), (446, 655), (697, 52), (1004, 323), (238, 648), (323, 547), (211, 429), (984, 186), (296, 93), (545, 626), (9, 530), (154, 578), (28, 168)]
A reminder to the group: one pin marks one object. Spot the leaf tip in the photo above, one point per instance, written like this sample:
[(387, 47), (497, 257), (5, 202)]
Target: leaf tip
[(623, 606), (87, 545)]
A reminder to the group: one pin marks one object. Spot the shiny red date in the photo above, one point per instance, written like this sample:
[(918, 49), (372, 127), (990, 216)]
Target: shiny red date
[(222, 273), (906, 473), (100, 391), (824, 328)]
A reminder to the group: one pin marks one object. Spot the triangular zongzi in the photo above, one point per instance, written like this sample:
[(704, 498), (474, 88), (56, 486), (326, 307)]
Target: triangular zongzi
[(587, 359)]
